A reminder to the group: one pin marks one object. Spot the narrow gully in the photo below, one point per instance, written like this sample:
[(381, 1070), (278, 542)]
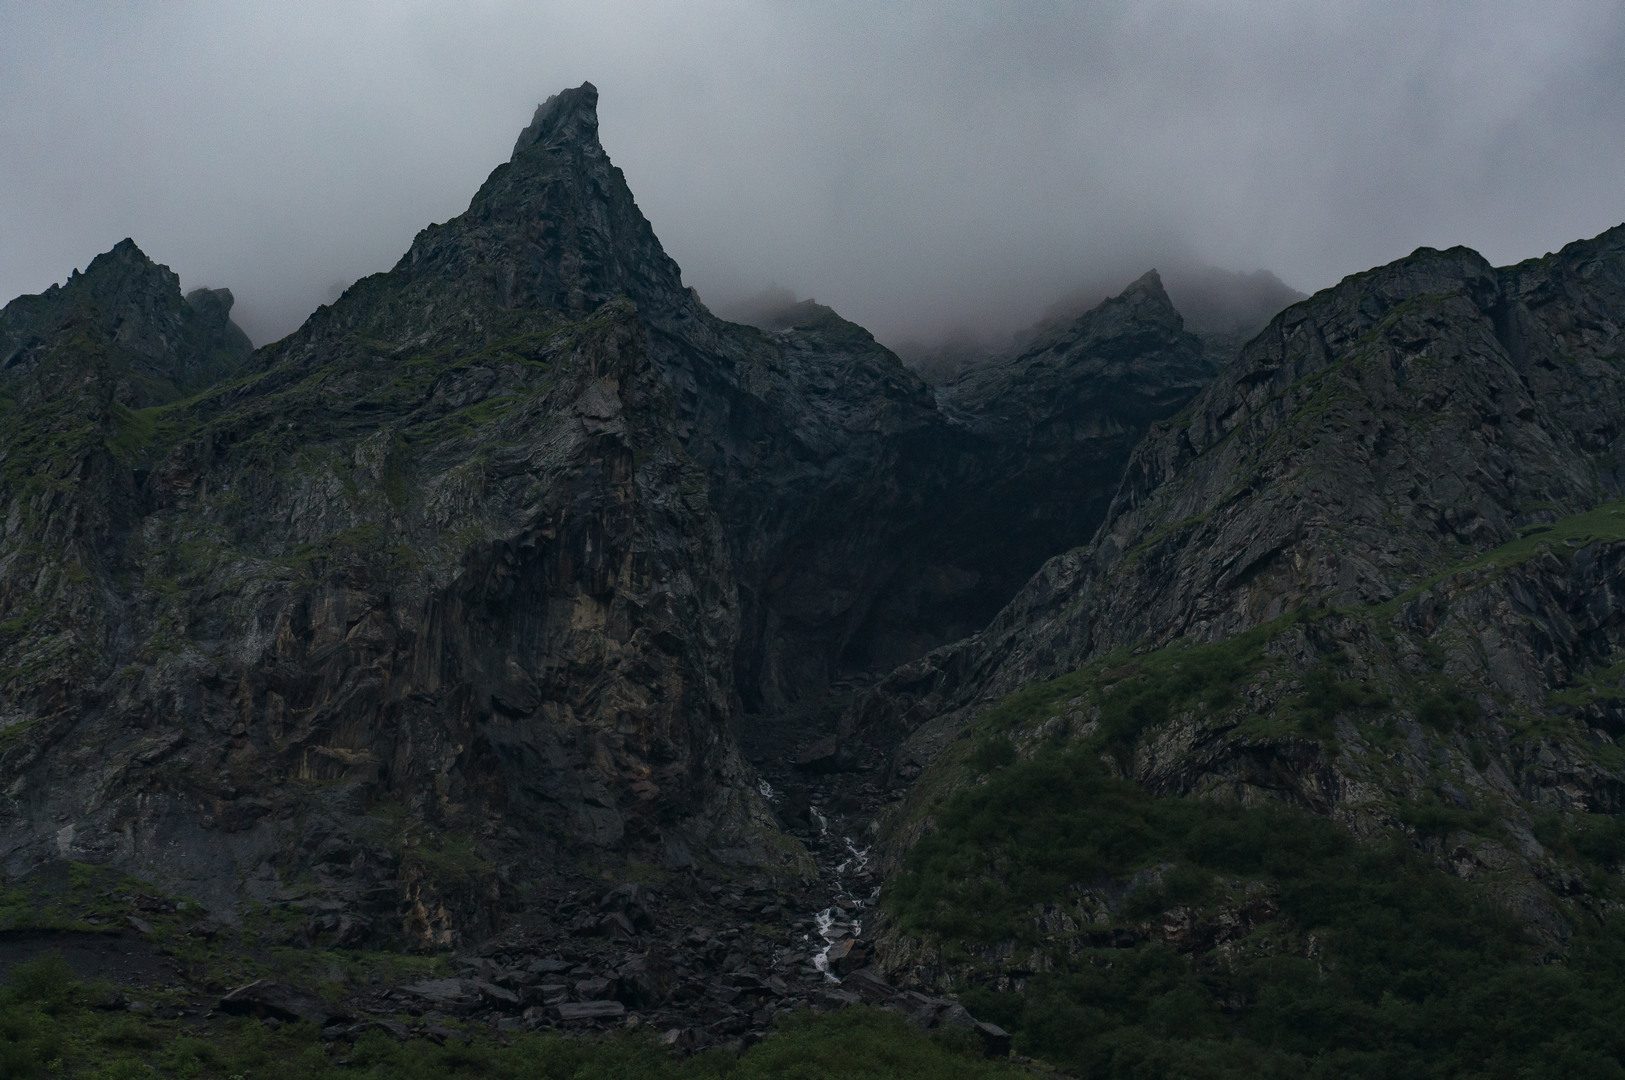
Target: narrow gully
[(826, 811)]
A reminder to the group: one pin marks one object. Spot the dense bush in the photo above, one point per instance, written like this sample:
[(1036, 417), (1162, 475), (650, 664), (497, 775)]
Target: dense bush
[(1377, 963)]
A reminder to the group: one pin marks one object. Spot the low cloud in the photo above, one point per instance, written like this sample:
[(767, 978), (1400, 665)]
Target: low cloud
[(935, 172)]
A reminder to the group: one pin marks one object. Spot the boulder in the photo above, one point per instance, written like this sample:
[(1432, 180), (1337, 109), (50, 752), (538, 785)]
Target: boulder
[(548, 966), (845, 957), (822, 755), (444, 993), (492, 994), (646, 981), (867, 982), (267, 1000), (599, 989)]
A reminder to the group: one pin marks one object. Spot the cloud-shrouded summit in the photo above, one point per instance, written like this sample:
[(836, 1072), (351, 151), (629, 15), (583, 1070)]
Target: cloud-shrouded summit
[(569, 115), (934, 173)]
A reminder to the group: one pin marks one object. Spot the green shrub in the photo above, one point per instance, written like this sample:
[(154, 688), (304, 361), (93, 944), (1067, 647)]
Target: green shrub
[(993, 752), (45, 982), (1443, 710), (28, 1043), (1375, 962), (1325, 697), (1432, 816)]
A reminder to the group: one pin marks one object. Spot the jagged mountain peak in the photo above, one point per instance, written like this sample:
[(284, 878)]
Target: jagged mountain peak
[(125, 251), (570, 116), (1137, 326), (1145, 300), (1142, 308), (553, 229), (1147, 284), (119, 272), (125, 299)]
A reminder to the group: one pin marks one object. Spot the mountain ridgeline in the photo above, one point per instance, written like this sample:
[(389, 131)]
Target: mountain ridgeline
[(1216, 709)]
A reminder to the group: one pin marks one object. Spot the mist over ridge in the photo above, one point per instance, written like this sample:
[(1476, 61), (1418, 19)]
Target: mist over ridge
[(934, 175)]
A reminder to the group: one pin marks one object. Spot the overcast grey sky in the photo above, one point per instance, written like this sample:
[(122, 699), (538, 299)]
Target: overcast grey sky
[(917, 166)]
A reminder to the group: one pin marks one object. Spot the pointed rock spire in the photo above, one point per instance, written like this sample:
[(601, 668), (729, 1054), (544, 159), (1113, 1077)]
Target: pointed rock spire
[(570, 116), (554, 227)]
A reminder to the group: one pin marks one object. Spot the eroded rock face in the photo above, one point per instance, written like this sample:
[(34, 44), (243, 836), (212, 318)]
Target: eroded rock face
[(473, 575), (1371, 436)]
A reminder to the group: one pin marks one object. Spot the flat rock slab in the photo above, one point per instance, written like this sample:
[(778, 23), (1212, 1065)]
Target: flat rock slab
[(451, 990), (590, 1010), (494, 994), (995, 1040)]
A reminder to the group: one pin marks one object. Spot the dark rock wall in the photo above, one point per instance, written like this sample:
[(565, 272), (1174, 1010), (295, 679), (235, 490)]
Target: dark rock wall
[(475, 574), (1370, 436)]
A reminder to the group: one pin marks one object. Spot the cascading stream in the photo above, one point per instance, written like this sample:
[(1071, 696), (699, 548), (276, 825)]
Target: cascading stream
[(844, 917), (844, 866)]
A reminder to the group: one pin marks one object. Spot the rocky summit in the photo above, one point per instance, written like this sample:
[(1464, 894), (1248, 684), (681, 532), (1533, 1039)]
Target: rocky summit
[(518, 645)]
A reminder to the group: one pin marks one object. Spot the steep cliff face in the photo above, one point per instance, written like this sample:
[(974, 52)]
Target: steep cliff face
[(1053, 425), (1407, 420), (871, 519), (471, 578), (433, 594), (1371, 572), (76, 363)]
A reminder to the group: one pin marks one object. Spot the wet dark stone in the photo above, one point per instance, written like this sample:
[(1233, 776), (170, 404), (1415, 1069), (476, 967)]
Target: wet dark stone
[(590, 1010)]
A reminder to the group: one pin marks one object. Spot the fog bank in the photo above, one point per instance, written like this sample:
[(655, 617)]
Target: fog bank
[(934, 172)]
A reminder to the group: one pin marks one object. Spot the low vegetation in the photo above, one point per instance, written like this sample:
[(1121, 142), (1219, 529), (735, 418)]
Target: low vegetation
[(1120, 934), (1370, 961)]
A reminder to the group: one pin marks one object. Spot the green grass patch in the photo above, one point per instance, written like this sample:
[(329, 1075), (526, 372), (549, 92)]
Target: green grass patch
[(1603, 524), (1136, 693)]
